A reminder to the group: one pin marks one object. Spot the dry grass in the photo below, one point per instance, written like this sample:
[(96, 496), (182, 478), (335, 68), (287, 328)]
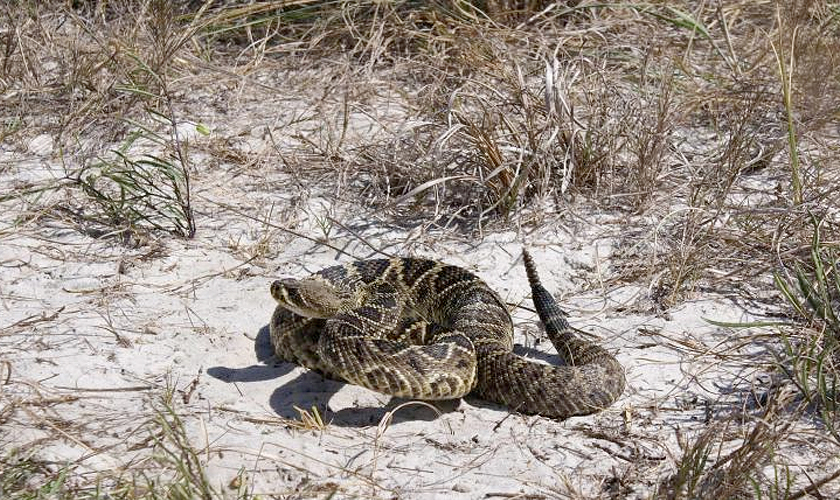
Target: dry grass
[(716, 120), (174, 470)]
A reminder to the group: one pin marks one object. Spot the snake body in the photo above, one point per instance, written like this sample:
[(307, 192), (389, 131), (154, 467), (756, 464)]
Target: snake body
[(423, 329)]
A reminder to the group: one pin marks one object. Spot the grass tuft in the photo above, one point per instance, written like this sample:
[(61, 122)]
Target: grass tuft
[(711, 467), (812, 349), (136, 191)]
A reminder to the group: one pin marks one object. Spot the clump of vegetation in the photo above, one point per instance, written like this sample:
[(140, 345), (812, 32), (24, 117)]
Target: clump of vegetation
[(710, 467), (174, 472), (812, 346), (136, 191)]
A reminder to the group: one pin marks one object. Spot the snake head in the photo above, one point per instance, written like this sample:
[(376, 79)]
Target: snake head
[(310, 298)]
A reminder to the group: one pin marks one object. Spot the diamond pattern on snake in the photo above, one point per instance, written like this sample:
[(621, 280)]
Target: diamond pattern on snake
[(423, 329)]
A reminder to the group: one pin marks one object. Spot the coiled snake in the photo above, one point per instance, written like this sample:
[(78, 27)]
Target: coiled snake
[(422, 329)]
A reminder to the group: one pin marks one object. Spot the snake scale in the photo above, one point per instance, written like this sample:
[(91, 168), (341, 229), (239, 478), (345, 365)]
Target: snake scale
[(422, 329)]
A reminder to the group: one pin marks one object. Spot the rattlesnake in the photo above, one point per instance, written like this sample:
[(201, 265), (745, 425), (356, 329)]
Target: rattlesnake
[(422, 329)]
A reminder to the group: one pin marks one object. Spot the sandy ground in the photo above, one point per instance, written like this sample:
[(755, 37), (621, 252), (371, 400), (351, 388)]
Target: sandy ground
[(95, 335)]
